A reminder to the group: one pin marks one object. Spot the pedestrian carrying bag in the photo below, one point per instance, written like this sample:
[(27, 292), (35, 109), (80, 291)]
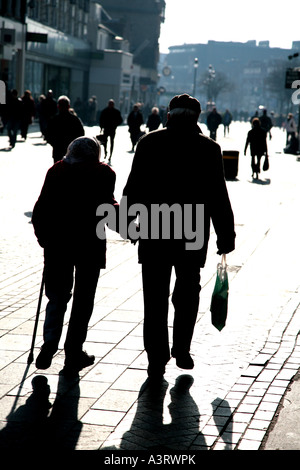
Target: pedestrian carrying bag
[(219, 300), (266, 163), (102, 138)]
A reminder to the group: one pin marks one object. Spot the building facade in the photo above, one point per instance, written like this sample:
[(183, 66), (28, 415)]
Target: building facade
[(111, 72), (139, 22), (12, 42), (77, 48), (247, 68)]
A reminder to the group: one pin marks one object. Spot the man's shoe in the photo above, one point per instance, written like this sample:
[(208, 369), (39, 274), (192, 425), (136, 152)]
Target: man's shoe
[(184, 360), (44, 359), (86, 360), (72, 366)]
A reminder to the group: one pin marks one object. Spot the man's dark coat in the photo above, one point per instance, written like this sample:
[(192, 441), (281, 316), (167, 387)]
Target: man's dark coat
[(178, 164)]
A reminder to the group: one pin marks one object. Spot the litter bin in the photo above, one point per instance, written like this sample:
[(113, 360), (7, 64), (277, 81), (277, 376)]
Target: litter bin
[(231, 163)]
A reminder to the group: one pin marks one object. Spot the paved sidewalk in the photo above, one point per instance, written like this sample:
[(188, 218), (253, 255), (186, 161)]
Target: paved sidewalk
[(232, 396)]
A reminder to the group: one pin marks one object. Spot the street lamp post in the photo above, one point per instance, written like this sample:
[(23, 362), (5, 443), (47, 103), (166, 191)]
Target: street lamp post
[(211, 77), (195, 74)]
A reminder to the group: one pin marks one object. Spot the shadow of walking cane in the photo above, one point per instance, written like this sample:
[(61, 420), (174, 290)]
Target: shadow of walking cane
[(30, 357)]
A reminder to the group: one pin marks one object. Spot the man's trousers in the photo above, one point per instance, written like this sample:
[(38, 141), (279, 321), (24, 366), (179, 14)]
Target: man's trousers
[(185, 298)]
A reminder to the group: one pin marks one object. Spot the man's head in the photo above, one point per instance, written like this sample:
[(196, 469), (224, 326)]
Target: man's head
[(111, 103), (63, 103), (185, 106)]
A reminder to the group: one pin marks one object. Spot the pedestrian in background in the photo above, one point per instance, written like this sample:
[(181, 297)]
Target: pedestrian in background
[(41, 116), (29, 111), (214, 119), (110, 119), (174, 181), (266, 123), (63, 128), (290, 127), (135, 120), (227, 118), (78, 107), (92, 111), (257, 139), (48, 108), (64, 221), (253, 117), (154, 119), (14, 116)]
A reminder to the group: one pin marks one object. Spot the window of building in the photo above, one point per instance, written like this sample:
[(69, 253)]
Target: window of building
[(34, 78)]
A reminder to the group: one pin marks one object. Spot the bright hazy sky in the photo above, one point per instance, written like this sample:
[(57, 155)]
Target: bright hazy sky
[(197, 21)]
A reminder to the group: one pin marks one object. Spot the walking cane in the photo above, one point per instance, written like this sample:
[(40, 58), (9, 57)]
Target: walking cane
[(30, 357)]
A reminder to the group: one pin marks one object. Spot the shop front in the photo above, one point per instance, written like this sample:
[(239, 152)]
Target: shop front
[(61, 63)]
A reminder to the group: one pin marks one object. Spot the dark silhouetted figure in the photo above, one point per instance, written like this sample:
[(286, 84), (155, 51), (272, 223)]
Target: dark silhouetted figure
[(293, 145), (188, 185), (79, 108), (227, 118), (28, 112), (291, 127), (41, 117), (64, 221), (110, 119), (154, 119), (135, 120), (92, 111), (266, 123), (48, 108), (257, 138), (63, 128), (14, 116), (253, 117), (214, 119)]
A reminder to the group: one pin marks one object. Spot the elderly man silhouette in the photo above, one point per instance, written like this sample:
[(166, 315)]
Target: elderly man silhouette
[(177, 165)]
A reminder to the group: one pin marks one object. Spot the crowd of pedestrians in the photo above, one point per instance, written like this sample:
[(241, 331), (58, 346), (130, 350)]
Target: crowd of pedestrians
[(23, 111)]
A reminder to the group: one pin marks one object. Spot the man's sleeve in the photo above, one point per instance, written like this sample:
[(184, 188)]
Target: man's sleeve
[(220, 207), (80, 128), (132, 188)]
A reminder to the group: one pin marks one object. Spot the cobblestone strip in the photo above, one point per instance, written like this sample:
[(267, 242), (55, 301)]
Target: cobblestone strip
[(20, 290), (259, 390)]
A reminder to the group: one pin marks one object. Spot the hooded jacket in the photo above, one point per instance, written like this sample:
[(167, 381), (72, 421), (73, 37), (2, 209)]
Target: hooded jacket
[(65, 212)]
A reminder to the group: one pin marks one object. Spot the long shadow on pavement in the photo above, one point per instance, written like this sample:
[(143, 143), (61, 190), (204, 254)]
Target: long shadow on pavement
[(31, 427), (148, 431)]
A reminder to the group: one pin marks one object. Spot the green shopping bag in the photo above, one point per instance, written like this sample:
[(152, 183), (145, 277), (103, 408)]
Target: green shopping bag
[(219, 300)]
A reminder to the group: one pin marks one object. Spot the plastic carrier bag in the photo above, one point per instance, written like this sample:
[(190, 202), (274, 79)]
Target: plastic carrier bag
[(219, 300)]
